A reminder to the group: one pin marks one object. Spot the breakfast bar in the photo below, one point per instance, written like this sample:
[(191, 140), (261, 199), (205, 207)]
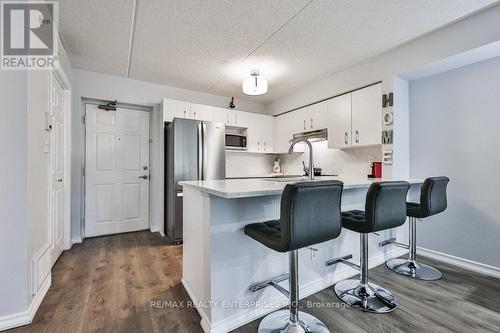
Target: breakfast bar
[(220, 262)]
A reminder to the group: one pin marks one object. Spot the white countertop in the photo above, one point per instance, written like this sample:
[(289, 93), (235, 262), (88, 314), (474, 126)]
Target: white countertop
[(243, 188)]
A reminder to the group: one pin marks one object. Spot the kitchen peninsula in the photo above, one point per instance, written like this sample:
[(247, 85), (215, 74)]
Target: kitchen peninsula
[(220, 262)]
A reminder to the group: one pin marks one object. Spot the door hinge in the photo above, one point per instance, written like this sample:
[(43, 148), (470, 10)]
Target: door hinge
[(84, 120), (387, 100), (83, 171)]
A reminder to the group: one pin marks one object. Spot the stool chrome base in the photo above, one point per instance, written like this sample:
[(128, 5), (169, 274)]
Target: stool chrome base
[(279, 322), (369, 298), (414, 269)]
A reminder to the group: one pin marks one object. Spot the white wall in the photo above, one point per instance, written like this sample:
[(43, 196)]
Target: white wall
[(352, 162), (13, 193), (454, 131), (102, 86)]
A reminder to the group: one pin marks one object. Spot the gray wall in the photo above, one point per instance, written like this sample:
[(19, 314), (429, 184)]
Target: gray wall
[(455, 131), (13, 192)]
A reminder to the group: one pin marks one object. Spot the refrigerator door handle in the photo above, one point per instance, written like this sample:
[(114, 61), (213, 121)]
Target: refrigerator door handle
[(204, 153), (200, 152)]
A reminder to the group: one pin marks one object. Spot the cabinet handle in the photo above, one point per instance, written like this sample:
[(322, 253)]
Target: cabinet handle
[(312, 123), (304, 124), (258, 145), (195, 115), (185, 113), (265, 146), (357, 136), (345, 138)]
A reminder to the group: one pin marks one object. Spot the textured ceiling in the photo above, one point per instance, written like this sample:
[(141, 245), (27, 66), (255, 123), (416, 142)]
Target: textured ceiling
[(211, 45)]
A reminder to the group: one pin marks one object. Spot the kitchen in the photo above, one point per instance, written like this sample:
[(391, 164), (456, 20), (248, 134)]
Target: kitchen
[(232, 166)]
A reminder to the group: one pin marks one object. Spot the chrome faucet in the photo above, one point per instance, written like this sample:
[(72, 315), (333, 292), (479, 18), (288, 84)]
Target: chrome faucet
[(311, 160)]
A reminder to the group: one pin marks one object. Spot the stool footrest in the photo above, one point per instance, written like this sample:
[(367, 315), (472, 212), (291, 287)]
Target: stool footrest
[(343, 260), (392, 241), (272, 283)]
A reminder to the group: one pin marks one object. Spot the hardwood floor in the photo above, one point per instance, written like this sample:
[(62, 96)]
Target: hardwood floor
[(107, 284)]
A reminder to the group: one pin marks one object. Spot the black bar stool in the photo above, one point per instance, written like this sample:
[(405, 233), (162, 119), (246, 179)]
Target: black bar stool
[(385, 208), (310, 214), (432, 201)]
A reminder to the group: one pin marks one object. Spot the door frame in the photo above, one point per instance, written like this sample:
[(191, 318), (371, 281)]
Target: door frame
[(136, 107), (59, 75)]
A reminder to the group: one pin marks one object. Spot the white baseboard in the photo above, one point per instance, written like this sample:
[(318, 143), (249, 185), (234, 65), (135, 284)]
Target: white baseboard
[(232, 322), (460, 262), (26, 317), (76, 240), (205, 321), (156, 228)]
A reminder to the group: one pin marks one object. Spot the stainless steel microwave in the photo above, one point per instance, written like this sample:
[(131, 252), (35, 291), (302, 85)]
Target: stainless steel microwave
[(236, 142)]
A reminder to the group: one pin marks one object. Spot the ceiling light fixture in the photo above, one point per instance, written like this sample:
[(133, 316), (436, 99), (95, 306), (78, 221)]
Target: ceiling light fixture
[(254, 85)]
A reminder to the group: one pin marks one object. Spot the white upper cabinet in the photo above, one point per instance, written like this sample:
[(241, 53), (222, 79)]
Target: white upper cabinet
[(315, 116), (367, 116), (355, 119), (175, 109), (283, 132), (231, 117), (339, 122), (240, 118), (260, 133), (202, 112)]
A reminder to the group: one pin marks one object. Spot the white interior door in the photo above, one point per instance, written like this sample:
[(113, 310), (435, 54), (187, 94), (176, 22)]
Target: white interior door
[(117, 171), (56, 197)]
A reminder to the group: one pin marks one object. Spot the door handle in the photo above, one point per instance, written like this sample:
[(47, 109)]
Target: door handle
[(143, 177), (200, 152), (204, 153), (60, 180)]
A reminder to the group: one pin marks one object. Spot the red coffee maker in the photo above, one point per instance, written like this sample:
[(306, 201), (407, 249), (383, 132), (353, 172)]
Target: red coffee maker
[(376, 170)]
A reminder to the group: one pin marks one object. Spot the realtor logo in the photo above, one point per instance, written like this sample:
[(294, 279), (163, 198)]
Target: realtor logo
[(28, 35)]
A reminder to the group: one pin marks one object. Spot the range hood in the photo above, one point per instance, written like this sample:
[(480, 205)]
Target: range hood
[(313, 136)]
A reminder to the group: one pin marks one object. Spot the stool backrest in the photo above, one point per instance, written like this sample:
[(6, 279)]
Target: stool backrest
[(386, 205), (310, 213), (433, 195)]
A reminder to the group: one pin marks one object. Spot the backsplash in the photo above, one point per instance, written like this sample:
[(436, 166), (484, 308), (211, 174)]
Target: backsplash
[(352, 162), (243, 164)]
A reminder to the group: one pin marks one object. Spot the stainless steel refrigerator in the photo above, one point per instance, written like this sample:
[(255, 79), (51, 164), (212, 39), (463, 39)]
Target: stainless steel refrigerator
[(194, 150)]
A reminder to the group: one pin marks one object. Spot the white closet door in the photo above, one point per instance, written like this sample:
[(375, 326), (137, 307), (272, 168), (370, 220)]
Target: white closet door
[(117, 171), (56, 198)]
